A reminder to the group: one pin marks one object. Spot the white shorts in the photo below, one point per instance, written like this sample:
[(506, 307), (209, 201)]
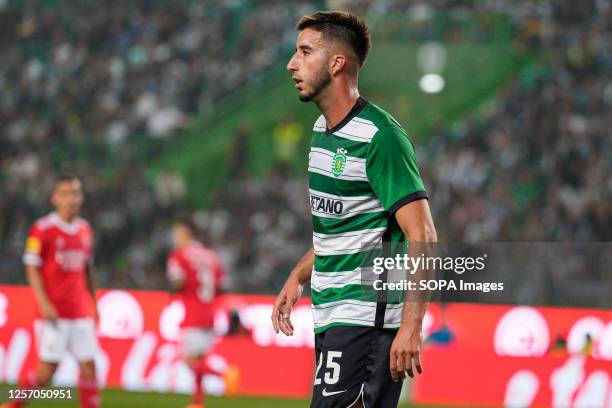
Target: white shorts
[(78, 336), (196, 342)]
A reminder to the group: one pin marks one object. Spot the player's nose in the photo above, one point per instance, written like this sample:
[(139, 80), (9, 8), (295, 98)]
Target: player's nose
[(291, 65)]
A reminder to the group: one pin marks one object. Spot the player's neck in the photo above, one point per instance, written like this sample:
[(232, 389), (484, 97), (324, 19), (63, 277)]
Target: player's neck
[(186, 243), (335, 104), (67, 218)]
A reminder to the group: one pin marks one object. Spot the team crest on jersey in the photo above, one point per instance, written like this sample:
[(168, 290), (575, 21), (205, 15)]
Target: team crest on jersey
[(339, 162)]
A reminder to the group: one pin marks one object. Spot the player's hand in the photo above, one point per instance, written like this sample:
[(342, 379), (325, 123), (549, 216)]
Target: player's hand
[(406, 350), (48, 311), (281, 314)]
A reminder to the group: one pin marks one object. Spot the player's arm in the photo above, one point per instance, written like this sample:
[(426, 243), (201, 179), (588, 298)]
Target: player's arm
[(291, 292), (35, 249), (176, 285), (394, 175), (417, 224), (47, 310), (176, 274)]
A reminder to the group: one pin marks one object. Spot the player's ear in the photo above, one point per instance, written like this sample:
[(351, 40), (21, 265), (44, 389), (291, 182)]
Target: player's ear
[(338, 63), (52, 197)]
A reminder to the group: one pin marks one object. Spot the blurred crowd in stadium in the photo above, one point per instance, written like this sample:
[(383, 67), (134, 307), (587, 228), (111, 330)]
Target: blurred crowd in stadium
[(107, 73), (535, 166)]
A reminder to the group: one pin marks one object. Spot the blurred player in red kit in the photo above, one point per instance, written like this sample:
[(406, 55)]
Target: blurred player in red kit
[(197, 274), (59, 269)]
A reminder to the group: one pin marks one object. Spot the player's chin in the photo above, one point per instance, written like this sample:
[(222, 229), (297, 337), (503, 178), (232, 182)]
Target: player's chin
[(306, 96), (73, 210)]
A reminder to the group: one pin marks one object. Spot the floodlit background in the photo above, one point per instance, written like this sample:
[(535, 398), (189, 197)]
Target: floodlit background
[(165, 108)]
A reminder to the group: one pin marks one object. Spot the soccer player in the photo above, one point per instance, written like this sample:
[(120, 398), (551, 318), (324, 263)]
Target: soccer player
[(197, 274), (365, 188), (59, 269)]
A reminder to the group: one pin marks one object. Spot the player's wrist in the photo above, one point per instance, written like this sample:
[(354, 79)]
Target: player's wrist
[(44, 302), (293, 281), (411, 323), (296, 279), (301, 281)]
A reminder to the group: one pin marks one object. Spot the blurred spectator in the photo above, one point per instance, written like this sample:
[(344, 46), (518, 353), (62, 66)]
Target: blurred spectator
[(239, 153), (170, 188), (288, 135)]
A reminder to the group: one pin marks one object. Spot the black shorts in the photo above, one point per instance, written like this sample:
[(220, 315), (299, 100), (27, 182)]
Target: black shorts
[(353, 364)]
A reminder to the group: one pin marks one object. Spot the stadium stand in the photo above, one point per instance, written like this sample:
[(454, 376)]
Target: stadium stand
[(533, 163)]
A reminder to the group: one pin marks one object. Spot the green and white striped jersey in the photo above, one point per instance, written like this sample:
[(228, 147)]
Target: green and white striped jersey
[(360, 173)]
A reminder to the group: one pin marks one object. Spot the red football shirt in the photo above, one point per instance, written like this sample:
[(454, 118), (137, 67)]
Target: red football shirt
[(61, 250), (203, 274)]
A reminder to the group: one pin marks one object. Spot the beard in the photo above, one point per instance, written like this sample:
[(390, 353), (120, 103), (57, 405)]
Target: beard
[(318, 84)]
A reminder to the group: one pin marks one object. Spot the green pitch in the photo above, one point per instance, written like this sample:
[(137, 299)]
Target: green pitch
[(126, 399)]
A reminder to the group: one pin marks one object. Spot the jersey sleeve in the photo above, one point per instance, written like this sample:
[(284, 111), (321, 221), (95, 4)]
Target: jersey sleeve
[(88, 240), (174, 269), (34, 248), (392, 169)]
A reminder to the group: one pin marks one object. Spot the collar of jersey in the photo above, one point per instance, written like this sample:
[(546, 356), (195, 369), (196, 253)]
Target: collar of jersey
[(358, 107), (67, 227)]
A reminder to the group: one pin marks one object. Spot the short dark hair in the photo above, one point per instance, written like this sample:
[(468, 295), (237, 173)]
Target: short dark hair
[(187, 222), (343, 26), (65, 176)]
